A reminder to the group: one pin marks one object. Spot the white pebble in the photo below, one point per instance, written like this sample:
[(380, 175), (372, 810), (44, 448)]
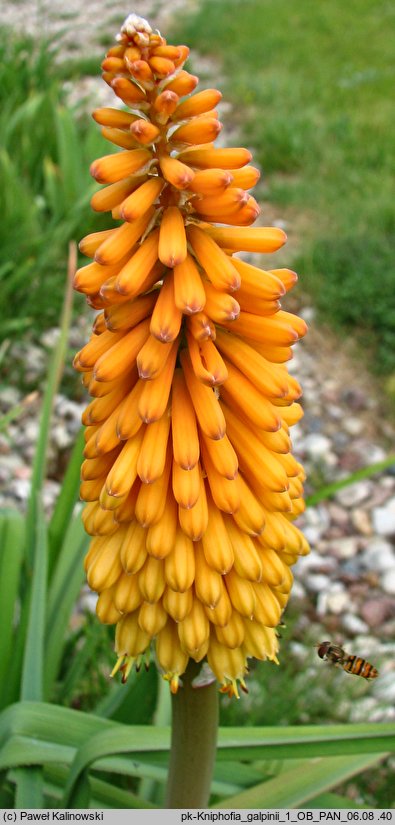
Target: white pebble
[(354, 494), (384, 519), (388, 582), (353, 624)]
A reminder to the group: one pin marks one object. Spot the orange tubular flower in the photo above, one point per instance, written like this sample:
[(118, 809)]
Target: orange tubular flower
[(190, 486)]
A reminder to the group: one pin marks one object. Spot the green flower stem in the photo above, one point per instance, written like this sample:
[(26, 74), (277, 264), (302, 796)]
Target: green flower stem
[(193, 742)]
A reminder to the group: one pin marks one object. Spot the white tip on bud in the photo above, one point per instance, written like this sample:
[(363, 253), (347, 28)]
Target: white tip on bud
[(135, 25)]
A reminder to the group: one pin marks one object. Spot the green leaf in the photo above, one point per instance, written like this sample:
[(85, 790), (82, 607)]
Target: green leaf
[(24, 750), (114, 797), (44, 734), (103, 794), (297, 785), (110, 703), (366, 472), (239, 775), (12, 533), (51, 187), (66, 584), (20, 751), (332, 800), (24, 113), (82, 791), (305, 741), (69, 153), (52, 723), (52, 384), (29, 788), (33, 663), (110, 742), (138, 705), (65, 502), (17, 410)]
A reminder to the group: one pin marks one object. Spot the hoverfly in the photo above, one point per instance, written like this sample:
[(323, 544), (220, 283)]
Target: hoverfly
[(351, 664)]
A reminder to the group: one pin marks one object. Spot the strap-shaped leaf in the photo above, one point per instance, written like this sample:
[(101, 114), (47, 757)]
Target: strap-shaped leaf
[(51, 723), (33, 662), (102, 792), (123, 740), (305, 741), (296, 786), (333, 800), (29, 788), (66, 584), (54, 375), (23, 750), (65, 502), (12, 541), (330, 490)]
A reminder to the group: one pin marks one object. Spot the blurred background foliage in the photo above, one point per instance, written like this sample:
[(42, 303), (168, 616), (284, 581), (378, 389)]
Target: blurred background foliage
[(46, 147), (312, 92)]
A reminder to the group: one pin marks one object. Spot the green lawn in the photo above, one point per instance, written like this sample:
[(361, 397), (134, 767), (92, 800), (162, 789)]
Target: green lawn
[(312, 88)]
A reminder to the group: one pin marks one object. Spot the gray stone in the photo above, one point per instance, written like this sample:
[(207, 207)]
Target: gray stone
[(316, 521), (346, 548), (376, 611), (355, 493), (9, 397), (316, 582), (298, 650), (88, 601), (8, 466), (307, 563), (335, 412), (307, 313), (354, 426), (380, 495), (335, 600), (362, 522), (340, 440), (353, 624), (352, 568), (317, 446), (388, 581), (362, 710), (372, 453), (298, 591), (383, 714), (20, 488), (378, 555), (386, 686), (338, 515), (354, 398), (384, 519), (67, 409), (61, 437), (30, 431), (388, 481), (50, 337)]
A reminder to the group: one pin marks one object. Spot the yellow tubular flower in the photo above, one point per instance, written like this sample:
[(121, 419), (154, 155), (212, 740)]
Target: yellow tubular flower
[(189, 483)]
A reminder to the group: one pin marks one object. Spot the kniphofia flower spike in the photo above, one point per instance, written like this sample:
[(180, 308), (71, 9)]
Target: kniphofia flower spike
[(190, 484)]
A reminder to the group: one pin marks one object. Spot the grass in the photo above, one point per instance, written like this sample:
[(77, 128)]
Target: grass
[(311, 85), (45, 151)]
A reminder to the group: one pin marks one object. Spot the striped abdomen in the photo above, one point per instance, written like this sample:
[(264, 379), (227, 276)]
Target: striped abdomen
[(354, 664)]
